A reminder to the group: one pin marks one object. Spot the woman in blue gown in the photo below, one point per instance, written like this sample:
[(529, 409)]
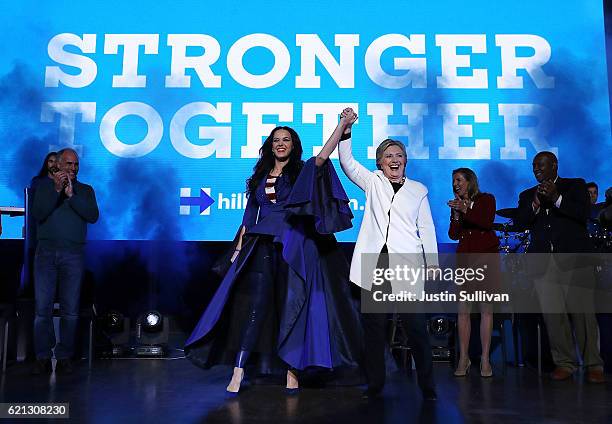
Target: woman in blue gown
[(286, 294)]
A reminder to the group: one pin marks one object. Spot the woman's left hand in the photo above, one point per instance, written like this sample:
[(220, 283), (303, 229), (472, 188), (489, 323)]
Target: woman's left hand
[(348, 118)]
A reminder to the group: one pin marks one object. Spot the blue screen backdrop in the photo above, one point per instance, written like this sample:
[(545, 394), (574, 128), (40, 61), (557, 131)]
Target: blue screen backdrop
[(168, 102)]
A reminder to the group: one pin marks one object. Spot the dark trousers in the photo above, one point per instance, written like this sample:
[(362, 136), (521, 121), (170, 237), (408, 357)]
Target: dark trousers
[(375, 333), (56, 270), (258, 298)]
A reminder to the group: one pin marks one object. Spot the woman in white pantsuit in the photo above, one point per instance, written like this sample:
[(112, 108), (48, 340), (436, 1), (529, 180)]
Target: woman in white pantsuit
[(397, 220)]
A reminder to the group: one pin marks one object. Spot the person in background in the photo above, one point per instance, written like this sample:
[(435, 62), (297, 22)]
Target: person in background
[(472, 216), (47, 168), (555, 212), (605, 215), (62, 207), (593, 192), (593, 224)]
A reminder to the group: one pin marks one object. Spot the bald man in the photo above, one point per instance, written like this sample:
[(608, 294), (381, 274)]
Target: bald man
[(555, 211), (62, 208)]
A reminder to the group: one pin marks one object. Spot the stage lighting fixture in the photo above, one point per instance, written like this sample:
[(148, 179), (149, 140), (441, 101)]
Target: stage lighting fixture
[(116, 330), (151, 334), (439, 326), (114, 321), (440, 330), (152, 322)]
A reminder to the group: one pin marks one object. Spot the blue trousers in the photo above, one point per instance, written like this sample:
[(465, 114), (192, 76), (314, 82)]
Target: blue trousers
[(56, 271)]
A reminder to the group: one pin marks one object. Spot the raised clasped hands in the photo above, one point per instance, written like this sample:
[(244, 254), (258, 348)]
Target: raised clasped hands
[(348, 118), (60, 180), (62, 183), (68, 188)]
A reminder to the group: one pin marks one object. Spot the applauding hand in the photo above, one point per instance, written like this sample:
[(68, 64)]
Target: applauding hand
[(459, 205)]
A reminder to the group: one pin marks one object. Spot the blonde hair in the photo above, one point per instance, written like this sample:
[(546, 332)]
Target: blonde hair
[(384, 146)]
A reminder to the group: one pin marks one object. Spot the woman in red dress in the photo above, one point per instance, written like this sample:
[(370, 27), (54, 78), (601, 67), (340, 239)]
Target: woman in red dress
[(472, 216)]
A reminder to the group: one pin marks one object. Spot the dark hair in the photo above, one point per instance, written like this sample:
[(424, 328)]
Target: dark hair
[(549, 155), (266, 160), (472, 180), (44, 171), (592, 184)]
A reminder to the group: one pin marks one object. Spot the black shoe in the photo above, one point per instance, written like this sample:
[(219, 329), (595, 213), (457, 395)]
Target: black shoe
[(41, 366), (64, 366), (371, 393), (429, 394)]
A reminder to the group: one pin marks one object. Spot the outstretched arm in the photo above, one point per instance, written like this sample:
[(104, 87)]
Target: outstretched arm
[(355, 171), (347, 118)]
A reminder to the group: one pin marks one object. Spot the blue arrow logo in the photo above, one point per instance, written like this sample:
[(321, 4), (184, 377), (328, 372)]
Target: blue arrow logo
[(203, 201)]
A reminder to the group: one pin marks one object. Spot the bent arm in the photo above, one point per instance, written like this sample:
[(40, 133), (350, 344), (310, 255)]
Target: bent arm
[(249, 219), (454, 230), (525, 215), (575, 203), (85, 205), (46, 200), (482, 214), (427, 232)]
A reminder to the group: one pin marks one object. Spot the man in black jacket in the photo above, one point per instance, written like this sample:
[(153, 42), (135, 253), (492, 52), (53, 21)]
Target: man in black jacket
[(62, 208), (555, 212)]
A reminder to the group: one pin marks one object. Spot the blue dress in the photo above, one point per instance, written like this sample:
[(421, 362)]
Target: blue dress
[(316, 323)]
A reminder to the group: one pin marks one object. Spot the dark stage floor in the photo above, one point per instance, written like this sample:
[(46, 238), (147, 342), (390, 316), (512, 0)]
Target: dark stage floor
[(174, 391)]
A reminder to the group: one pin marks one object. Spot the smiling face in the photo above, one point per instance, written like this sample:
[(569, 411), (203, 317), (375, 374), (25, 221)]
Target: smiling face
[(69, 163), (460, 185), (544, 167), (282, 145), (393, 163)]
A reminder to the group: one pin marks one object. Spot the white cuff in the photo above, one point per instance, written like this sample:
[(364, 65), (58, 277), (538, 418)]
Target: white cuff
[(558, 202)]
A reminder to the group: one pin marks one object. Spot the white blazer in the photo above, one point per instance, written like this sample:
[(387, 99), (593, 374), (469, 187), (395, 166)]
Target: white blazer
[(402, 220)]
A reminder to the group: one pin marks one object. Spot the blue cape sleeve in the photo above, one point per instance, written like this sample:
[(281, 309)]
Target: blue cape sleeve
[(318, 193)]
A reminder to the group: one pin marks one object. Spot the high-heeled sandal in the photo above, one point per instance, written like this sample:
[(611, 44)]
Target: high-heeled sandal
[(488, 373), (465, 371), (230, 393), (292, 390)]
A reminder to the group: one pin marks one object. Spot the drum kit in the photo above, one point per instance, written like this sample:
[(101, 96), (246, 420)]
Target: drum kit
[(600, 236), (514, 242), (513, 238)]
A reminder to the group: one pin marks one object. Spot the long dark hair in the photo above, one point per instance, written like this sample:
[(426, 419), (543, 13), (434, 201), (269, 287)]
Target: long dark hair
[(44, 171), (266, 160), (472, 180)]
